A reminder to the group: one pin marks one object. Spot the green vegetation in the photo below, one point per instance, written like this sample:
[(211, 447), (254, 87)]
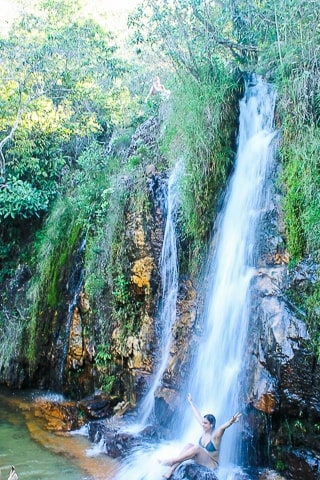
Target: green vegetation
[(93, 208), (126, 306), (103, 361), (301, 176), (69, 105), (61, 89), (201, 128), (297, 78), (53, 258)]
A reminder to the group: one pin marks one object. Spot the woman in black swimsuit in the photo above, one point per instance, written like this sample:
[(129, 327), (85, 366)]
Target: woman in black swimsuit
[(207, 452)]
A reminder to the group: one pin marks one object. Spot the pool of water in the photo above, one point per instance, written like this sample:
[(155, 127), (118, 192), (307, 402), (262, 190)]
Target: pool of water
[(39, 454)]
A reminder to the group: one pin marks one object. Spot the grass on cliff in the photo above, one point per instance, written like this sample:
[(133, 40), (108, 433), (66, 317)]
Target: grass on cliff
[(301, 176), (200, 131), (84, 199), (11, 328), (299, 113), (94, 203)]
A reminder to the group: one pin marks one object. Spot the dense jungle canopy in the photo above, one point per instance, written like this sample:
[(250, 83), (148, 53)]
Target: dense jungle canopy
[(72, 93)]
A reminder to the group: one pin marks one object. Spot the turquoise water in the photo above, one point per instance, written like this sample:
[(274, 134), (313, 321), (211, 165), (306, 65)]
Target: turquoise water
[(37, 454)]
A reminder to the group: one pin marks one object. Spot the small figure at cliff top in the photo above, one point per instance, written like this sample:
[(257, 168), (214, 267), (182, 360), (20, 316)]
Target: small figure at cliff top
[(157, 88)]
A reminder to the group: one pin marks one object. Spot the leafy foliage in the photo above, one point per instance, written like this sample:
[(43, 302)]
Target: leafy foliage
[(60, 89), (201, 127), (191, 33), (19, 198)]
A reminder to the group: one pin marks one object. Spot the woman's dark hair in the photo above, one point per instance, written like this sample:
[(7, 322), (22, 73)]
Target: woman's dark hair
[(211, 419)]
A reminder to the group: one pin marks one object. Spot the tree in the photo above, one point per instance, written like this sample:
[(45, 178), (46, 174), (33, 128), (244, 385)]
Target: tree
[(58, 78), (191, 33)]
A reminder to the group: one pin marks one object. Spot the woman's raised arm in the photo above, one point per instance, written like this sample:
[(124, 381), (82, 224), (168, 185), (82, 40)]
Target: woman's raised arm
[(195, 410), (234, 419)]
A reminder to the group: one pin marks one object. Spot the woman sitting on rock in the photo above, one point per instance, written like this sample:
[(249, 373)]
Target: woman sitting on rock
[(206, 453)]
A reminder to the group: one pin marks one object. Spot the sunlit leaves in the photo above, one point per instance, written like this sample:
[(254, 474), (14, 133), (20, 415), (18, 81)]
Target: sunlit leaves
[(8, 100), (47, 117), (59, 84)]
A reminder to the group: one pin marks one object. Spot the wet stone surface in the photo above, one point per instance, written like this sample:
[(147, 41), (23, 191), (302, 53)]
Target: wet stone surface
[(192, 471)]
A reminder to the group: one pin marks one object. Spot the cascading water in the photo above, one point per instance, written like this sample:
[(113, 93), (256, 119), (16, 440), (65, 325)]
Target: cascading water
[(218, 371), (169, 281)]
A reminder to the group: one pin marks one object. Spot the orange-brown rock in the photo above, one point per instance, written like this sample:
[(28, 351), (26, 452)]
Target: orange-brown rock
[(80, 347), (57, 416), (281, 258), (136, 348), (266, 403), (83, 302), (76, 347), (141, 274)]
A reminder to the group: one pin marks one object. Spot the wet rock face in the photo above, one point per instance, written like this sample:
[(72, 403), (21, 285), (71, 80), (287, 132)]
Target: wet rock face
[(303, 465), (283, 376), (98, 406), (117, 442), (277, 338), (146, 134), (285, 379), (79, 361), (134, 353)]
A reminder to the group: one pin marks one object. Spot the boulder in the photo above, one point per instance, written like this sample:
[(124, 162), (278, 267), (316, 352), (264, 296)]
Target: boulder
[(193, 471), (98, 406), (57, 416)]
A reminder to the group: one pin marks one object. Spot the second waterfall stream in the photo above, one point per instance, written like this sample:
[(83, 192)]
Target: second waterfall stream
[(218, 370)]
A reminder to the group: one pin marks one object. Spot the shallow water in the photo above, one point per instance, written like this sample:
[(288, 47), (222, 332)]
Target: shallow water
[(39, 454)]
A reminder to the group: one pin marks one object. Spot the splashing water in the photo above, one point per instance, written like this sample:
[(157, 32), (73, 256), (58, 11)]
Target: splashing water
[(217, 373)]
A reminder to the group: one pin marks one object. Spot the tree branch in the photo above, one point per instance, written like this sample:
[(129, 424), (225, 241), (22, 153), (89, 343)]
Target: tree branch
[(234, 47)]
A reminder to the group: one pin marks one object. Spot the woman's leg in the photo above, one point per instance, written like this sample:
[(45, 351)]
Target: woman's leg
[(189, 451)]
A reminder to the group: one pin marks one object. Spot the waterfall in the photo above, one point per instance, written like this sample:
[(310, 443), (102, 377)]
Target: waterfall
[(169, 281), (218, 371)]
